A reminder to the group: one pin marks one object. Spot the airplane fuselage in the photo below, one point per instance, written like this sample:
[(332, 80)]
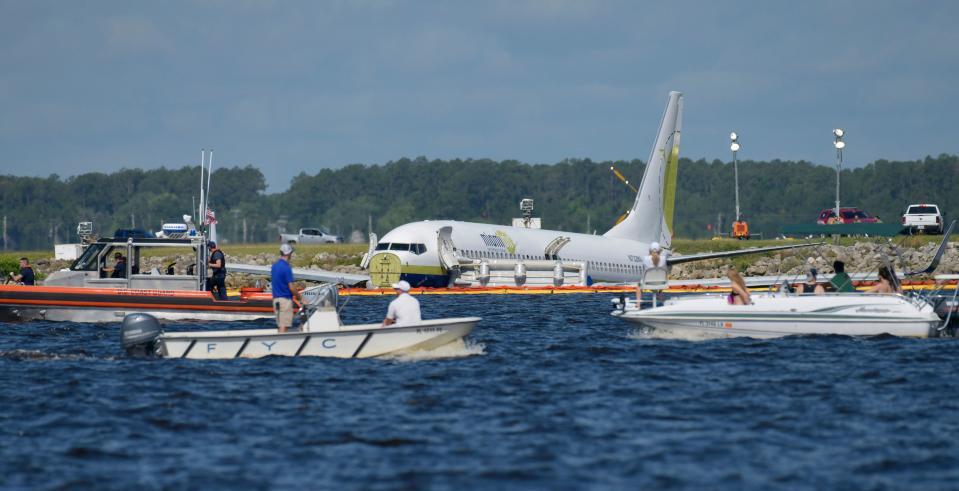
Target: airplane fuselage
[(412, 251)]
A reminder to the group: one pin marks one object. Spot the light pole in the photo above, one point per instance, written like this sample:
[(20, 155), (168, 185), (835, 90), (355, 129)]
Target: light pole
[(734, 146), (839, 144)]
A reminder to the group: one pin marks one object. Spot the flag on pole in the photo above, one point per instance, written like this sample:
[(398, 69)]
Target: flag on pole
[(210, 217)]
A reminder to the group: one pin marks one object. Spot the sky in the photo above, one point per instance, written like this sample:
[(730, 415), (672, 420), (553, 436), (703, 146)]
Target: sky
[(298, 86)]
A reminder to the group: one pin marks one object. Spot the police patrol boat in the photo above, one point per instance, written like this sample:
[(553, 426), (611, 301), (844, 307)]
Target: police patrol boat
[(321, 334), (84, 292)]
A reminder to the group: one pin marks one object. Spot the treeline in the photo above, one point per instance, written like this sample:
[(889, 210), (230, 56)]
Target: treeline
[(573, 195)]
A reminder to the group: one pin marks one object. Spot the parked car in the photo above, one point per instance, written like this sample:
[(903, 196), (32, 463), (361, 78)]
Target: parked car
[(922, 218), (309, 236), (846, 215)]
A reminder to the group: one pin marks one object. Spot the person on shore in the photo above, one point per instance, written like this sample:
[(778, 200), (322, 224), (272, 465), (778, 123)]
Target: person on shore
[(216, 283), (404, 309), (739, 294), (812, 284), (284, 291), (887, 282), (26, 276), (841, 282)]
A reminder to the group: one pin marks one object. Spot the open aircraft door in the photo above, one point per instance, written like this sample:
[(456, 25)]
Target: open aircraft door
[(374, 241), (447, 252)]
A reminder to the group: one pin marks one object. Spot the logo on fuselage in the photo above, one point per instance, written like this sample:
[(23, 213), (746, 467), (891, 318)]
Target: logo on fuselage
[(499, 241)]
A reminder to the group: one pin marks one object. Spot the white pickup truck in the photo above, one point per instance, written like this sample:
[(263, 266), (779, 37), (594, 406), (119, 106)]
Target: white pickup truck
[(309, 236), (922, 218)]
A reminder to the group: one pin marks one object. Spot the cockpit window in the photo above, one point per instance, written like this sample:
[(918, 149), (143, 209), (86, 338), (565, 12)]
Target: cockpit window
[(88, 260), (418, 248), (382, 246), (396, 246)]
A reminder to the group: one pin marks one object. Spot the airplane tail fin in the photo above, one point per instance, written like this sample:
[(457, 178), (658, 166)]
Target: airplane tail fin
[(651, 217)]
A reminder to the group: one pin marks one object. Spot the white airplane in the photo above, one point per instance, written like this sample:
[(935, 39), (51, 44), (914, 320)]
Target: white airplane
[(433, 253)]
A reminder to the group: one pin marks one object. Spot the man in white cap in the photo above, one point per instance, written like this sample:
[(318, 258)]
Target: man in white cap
[(656, 258), (404, 309), (284, 291)]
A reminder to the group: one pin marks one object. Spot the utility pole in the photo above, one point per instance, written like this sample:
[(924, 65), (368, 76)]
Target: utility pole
[(839, 144), (236, 223), (4, 232), (244, 230), (734, 146)]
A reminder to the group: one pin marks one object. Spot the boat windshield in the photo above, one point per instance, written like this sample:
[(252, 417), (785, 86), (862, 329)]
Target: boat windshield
[(88, 260)]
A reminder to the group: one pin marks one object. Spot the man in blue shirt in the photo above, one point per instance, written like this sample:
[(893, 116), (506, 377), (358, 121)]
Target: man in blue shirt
[(26, 273), (284, 290)]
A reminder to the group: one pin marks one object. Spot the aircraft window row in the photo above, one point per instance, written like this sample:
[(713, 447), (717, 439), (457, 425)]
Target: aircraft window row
[(399, 246), (601, 265)]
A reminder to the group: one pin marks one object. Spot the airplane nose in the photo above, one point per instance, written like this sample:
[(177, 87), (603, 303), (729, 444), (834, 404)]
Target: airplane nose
[(384, 269)]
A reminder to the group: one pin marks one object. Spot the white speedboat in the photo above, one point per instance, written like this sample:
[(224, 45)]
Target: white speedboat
[(321, 334), (777, 314)]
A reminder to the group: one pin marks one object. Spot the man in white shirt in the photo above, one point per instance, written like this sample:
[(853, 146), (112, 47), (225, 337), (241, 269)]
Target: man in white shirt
[(404, 309), (656, 258)]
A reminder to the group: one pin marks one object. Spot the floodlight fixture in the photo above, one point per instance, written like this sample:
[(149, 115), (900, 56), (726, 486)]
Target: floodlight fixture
[(734, 146)]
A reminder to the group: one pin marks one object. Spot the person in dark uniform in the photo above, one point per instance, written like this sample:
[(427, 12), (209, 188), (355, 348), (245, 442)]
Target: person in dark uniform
[(120, 268), (26, 275), (217, 268)]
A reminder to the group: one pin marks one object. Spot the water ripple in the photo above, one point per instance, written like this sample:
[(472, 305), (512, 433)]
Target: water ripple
[(549, 392)]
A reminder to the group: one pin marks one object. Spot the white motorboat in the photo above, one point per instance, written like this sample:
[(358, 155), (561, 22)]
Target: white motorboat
[(321, 334), (774, 315)]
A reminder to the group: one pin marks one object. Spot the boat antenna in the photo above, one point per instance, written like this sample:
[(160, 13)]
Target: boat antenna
[(200, 209), (209, 178)]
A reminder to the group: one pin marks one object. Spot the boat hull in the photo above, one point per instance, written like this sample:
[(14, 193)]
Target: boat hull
[(773, 316), (77, 304), (360, 341)]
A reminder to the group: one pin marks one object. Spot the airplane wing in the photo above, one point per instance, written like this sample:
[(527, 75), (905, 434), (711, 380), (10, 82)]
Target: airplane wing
[(939, 252), (320, 275), (718, 255)]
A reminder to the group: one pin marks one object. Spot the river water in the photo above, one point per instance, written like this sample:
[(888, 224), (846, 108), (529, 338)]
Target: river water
[(550, 392)]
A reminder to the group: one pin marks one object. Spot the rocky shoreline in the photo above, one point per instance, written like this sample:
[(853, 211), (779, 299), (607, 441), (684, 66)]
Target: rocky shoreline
[(860, 257)]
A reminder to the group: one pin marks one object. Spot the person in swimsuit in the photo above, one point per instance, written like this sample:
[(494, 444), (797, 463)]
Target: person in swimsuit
[(739, 294), (887, 282)]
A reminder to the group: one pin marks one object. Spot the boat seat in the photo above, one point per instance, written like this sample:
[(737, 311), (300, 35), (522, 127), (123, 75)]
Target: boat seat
[(655, 279)]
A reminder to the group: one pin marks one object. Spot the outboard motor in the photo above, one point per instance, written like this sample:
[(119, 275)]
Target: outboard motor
[(139, 333)]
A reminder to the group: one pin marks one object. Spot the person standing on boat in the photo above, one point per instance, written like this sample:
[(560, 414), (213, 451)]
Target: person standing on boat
[(284, 291), (26, 275), (655, 259), (841, 282), (217, 267), (404, 309)]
